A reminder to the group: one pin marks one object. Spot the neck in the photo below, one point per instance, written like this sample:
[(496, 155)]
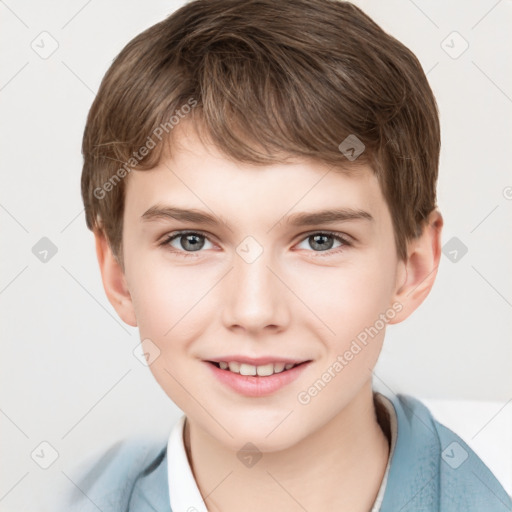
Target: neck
[(350, 456)]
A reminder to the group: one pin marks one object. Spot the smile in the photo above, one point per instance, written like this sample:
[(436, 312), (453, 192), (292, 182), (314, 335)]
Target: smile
[(256, 381), (249, 369)]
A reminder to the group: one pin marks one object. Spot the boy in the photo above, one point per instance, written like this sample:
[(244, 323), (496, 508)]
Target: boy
[(260, 178)]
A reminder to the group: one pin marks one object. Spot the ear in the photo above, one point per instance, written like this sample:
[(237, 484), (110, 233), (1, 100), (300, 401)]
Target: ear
[(417, 274), (114, 281)]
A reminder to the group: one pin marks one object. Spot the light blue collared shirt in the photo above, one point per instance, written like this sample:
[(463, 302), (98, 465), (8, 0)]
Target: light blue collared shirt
[(431, 470)]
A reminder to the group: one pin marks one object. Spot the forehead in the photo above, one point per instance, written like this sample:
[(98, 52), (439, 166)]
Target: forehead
[(196, 175)]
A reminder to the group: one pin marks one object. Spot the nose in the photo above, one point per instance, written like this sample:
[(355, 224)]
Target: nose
[(255, 297)]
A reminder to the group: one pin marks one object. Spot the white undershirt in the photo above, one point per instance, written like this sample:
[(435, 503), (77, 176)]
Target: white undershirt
[(184, 494)]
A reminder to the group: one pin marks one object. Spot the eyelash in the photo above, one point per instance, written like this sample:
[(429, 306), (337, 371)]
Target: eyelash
[(176, 234)]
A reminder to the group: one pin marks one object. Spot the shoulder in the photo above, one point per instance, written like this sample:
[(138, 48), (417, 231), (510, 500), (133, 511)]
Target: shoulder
[(460, 480), (108, 481)]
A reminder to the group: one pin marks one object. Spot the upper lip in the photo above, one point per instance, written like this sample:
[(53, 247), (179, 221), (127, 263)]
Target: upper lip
[(257, 361)]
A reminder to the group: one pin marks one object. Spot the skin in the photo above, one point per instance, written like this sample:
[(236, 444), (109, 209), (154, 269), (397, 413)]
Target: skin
[(295, 300)]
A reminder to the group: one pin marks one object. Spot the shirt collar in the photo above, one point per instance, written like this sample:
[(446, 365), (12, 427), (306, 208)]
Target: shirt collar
[(183, 491)]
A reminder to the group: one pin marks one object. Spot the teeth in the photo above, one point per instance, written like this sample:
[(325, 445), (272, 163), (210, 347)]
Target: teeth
[(249, 369), (234, 367), (278, 367), (265, 370)]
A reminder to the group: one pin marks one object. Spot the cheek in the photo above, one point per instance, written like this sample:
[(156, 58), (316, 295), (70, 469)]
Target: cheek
[(170, 313), (347, 298), (351, 305), (163, 299), (172, 304)]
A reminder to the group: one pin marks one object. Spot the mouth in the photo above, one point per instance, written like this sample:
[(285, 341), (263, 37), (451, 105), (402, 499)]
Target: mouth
[(264, 370), (257, 381)]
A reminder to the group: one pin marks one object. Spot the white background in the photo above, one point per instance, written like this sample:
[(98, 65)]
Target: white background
[(69, 376)]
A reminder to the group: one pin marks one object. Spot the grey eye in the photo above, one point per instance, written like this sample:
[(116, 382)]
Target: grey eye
[(189, 242), (321, 242)]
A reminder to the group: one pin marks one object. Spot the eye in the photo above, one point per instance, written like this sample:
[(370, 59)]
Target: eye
[(324, 241), (186, 242)]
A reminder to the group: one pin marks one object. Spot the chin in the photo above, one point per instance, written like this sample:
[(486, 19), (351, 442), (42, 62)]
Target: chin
[(265, 437)]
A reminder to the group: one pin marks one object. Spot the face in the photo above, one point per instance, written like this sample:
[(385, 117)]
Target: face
[(258, 281)]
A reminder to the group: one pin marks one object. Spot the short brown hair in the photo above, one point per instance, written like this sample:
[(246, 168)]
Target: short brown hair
[(266, 78)]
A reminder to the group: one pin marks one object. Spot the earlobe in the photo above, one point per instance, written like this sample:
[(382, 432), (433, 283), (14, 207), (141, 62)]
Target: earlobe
[(420, 270), (114, 281)]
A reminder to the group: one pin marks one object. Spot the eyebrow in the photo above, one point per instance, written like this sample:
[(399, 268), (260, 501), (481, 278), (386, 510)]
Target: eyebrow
[(296, 219)]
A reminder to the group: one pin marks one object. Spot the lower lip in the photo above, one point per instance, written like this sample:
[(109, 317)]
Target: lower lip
[(251, 385)]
